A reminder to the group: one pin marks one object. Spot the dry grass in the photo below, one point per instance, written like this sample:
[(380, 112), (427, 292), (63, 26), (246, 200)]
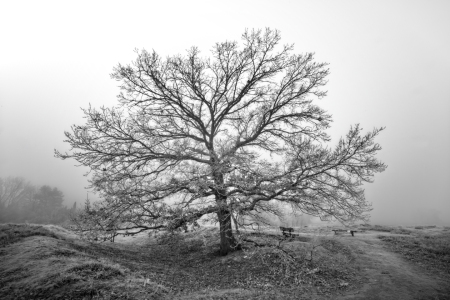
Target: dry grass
[(391, 229), (431, 250), (38, 263), (50, 263), (10, 233)]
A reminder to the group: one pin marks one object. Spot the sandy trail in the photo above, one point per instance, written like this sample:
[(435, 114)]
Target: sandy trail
[(390, 276)]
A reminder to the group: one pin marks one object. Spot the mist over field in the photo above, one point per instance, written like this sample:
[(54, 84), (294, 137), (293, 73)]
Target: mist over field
[(389, 66)]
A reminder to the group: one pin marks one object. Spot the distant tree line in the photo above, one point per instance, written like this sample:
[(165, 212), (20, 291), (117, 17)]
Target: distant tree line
[(22, 202)]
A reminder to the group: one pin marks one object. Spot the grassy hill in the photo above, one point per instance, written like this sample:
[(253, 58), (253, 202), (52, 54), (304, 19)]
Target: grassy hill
[(50, 262)]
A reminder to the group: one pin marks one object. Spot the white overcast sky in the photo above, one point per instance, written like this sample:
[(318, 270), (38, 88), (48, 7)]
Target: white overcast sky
[(389, 63)]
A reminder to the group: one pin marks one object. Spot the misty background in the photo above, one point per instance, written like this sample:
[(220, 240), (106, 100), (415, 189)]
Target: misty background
[(389, 67)]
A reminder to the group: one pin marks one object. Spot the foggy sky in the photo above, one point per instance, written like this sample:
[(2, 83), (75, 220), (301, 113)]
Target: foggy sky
[(389, 63)]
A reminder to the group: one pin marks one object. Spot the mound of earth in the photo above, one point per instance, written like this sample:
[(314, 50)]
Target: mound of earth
[(50, 262)]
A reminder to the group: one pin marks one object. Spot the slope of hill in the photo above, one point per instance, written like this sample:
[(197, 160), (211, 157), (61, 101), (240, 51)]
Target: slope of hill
[(50, 262)]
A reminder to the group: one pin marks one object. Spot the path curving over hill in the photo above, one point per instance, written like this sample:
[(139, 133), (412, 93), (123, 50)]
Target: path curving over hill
[(389, 275)]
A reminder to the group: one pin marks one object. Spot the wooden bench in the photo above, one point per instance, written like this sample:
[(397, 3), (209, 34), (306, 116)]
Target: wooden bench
[(344, 230), (285, 230)]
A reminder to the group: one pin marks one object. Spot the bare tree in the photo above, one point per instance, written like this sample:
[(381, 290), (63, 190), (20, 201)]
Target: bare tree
[(13, 190), (16, 194), (233, 132)]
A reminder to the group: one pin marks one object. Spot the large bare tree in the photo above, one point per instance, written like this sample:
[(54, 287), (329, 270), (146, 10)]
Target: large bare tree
[(232, 133)]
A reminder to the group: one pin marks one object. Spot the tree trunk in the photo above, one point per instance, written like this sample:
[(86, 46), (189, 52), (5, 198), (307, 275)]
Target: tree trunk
[(227, 241)]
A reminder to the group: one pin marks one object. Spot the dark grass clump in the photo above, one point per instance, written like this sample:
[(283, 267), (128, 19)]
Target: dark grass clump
[(380, 228), (401, 230), (425, 227), (377, 228), (96, 271), (11, 233), (432, 251)]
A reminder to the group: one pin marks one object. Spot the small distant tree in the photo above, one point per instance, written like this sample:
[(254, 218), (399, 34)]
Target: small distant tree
[(235, 132), (48, 206), (49, 197)]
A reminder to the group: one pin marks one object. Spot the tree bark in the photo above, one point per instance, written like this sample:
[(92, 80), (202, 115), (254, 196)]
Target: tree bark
[(227, 241)]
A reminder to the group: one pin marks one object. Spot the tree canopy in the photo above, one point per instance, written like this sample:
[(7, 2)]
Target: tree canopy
[(225, 135)]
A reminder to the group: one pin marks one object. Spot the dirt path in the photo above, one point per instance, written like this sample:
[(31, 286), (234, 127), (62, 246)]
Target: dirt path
[(389, 275)]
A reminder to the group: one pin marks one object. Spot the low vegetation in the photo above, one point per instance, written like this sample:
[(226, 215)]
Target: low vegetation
[(390, 229), (10, 233), (427, 246), (48, 262), (51, 262), (431, 250), (38, 263)]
